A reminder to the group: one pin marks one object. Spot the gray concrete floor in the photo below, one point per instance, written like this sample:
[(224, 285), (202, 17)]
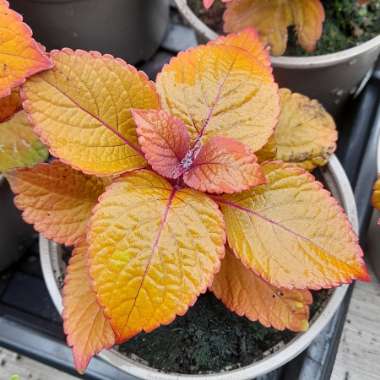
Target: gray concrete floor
[(27, 369), (358, 356)]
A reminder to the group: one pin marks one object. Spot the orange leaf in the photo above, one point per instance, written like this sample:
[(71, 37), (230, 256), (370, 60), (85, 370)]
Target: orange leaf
[(376, 195), (246, 294), (224, 165), (10, 105), (221, 90), (164, 140), (20, 55), (19, 145), (56, 199), (153, 250), (81, 109), (308, 18), (248, 40), (291, 231), (272, 19), (88, 330), (305, 134), (209, 3)]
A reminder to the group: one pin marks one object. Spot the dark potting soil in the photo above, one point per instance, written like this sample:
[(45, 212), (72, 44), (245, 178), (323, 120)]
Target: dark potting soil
[(209, 338), (347, 24)]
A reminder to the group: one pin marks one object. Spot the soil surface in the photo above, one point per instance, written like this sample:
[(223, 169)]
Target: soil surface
[(209, 338), (347, 24)]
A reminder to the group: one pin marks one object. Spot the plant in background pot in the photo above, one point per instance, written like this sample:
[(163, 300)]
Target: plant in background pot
[(272, 18), (346, 47), (20, 56), (166, 190)]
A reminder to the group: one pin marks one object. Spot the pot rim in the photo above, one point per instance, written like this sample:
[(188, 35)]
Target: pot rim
[(378, 157), (285, 61), (339, 185)]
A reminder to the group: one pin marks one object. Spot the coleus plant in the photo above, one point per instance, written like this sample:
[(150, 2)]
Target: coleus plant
[(171, 188), (272, 18)]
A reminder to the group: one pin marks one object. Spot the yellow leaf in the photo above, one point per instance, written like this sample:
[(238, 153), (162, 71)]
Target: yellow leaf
[(292, 232), (153, 250), (20, 55), (246, 294), (272, 18), (221, 90), (305, 134), (56, 199), (82, 110), (88, 330), (19, 146), (376, 195)]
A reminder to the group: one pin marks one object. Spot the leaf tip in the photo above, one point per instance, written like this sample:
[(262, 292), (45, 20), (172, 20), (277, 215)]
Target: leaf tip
[(364, 275), (208, 3), (80, 362), (304, 326)]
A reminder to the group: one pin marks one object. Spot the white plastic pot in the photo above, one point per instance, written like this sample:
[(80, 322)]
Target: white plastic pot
[(12, 228), (53, 270)]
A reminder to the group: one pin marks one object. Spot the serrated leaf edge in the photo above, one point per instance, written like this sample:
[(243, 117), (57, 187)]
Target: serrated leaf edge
[(36, 45), (195, 298), (39, 131), (328, 196)]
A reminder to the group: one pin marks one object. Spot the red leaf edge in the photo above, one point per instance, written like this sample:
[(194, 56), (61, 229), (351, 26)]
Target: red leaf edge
[(299, 171), (39, 131), (36, 45)]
